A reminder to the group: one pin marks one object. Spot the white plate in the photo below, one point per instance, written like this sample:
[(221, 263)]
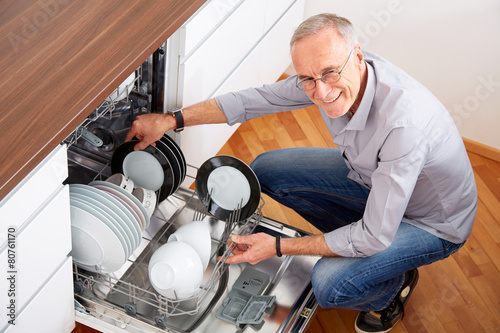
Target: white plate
[(86, 250), (85, 203), (113, 253), (126, 203), (144, 169), (109, 205), (114, 207), (112, 216), (229, 187), (134, 203)]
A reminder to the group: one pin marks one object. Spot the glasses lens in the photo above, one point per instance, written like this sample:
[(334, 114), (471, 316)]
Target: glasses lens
[(306, 84), (331, 77)]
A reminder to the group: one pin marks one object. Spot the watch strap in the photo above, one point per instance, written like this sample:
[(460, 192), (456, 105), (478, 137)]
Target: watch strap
[(278, 246), (179, 119)]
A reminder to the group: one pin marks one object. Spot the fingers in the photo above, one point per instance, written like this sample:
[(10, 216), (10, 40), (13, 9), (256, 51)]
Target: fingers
[(141, 145), (252, 249), (148, 128)]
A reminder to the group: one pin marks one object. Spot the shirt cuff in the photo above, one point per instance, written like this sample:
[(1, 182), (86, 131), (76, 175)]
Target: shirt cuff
[(339, 242), (232, 107)]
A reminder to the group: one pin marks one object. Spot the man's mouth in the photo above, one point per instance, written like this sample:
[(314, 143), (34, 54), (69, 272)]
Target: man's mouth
[(333, 99)]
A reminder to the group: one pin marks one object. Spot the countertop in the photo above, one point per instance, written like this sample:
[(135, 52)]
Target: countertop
[(60, 59)]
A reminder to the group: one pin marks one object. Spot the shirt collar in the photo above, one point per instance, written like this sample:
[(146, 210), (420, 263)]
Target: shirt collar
[(358, 121)]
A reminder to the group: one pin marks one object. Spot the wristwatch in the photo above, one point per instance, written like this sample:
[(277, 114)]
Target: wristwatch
[(179, 118)]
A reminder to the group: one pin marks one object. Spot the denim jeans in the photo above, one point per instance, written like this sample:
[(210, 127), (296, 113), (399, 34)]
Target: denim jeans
[(314, 183)]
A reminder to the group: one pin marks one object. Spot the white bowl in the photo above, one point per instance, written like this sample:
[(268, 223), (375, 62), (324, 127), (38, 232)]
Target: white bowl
[(147, 198), (197, 235), (175, 270), (120, 180)]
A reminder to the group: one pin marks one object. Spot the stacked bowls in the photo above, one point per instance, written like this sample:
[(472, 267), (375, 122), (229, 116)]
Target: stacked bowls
[(176, 268)]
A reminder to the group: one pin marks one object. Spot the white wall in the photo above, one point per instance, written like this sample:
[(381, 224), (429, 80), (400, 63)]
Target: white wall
[(452, 47)]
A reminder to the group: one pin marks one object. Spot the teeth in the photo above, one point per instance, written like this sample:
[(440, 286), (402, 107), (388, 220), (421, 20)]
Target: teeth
[(333, 99)]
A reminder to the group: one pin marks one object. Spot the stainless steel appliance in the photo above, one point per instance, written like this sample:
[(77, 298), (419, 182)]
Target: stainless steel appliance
[(125, 300)]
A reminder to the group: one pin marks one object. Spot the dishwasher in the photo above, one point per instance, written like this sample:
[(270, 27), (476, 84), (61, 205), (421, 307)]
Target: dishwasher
[(274, 295)]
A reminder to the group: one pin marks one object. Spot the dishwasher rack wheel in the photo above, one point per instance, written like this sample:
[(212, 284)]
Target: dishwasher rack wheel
[(161, 321), (131, 308)]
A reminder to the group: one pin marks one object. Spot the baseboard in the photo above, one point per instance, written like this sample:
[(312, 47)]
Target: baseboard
[(481, 149)]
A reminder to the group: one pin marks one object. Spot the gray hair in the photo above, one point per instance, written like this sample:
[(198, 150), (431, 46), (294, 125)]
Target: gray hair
[(315, 23)]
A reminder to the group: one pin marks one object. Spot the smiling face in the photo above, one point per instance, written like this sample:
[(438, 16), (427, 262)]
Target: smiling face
[(315, 55)]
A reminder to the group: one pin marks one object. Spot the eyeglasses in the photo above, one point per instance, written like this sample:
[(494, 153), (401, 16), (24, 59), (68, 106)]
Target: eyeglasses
[(328, 78)]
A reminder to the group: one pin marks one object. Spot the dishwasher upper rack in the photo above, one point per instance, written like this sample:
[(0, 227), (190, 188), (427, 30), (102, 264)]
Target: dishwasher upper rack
[(105, 109), (139, 297)]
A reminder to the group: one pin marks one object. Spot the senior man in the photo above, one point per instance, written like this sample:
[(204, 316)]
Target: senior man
[(398, 193)]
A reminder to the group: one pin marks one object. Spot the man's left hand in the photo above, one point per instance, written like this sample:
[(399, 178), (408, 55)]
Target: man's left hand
[(252, 249)]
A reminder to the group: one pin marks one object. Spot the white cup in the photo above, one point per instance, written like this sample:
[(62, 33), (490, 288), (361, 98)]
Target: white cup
[(197, 235), (120, 180), (147, 199), (175, 270)]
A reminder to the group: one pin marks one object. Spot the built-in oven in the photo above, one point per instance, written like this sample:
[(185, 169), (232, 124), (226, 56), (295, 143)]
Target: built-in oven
[(272, 296)]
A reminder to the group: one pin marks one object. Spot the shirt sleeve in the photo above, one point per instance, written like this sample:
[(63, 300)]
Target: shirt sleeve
[(244, 105), (401, 159)]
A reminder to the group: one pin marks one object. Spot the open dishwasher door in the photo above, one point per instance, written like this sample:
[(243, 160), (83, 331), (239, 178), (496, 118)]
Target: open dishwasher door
[(126, 302)]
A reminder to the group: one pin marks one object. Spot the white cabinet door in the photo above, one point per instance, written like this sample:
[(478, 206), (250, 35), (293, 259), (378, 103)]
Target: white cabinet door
[(32, 191), (52, 308), (39, 249), (204, 70), (265, 62), (204, 23)]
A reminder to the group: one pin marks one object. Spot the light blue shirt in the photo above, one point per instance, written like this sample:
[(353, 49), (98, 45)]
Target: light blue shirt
[(401, 143)]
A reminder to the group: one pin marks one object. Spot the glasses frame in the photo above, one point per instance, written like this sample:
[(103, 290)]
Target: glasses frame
[(322, 78)]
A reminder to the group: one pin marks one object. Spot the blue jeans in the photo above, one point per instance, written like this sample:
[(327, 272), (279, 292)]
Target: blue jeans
[(314, 183)]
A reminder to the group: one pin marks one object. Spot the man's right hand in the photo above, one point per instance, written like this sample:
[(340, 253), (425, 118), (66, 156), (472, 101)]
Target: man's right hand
[(149, 128)]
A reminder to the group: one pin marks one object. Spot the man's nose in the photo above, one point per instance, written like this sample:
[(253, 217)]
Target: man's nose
[(322, 89)]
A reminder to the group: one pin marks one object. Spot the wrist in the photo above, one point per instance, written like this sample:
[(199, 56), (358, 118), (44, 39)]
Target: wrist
[(178, 116)]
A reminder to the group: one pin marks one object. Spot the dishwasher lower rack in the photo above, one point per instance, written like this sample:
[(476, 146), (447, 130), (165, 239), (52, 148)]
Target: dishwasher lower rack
[(129, 289)]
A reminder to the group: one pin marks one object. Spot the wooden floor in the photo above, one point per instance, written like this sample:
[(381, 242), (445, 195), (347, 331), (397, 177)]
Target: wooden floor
[(458, 294)]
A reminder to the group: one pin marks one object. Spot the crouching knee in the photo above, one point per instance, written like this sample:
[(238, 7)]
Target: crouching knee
[(331, 287)]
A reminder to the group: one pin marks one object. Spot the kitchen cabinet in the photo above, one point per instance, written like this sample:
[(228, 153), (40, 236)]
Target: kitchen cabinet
[(80, 54), (58, 61), (35, 246), (243, 44)]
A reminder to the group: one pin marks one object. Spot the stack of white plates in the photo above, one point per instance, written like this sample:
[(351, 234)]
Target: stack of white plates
[(107, 223), (160, 168)]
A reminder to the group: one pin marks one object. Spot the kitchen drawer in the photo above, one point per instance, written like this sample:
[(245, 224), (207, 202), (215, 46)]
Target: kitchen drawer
[(52, 308), (274, 10), (259, 67), (204, 22), (278, 38), (32, 191), (40, 248), (216, 58)]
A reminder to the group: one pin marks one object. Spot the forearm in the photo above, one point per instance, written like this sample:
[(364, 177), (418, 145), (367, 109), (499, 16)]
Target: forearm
[(151, 127), (206, 112), (308, 245)]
